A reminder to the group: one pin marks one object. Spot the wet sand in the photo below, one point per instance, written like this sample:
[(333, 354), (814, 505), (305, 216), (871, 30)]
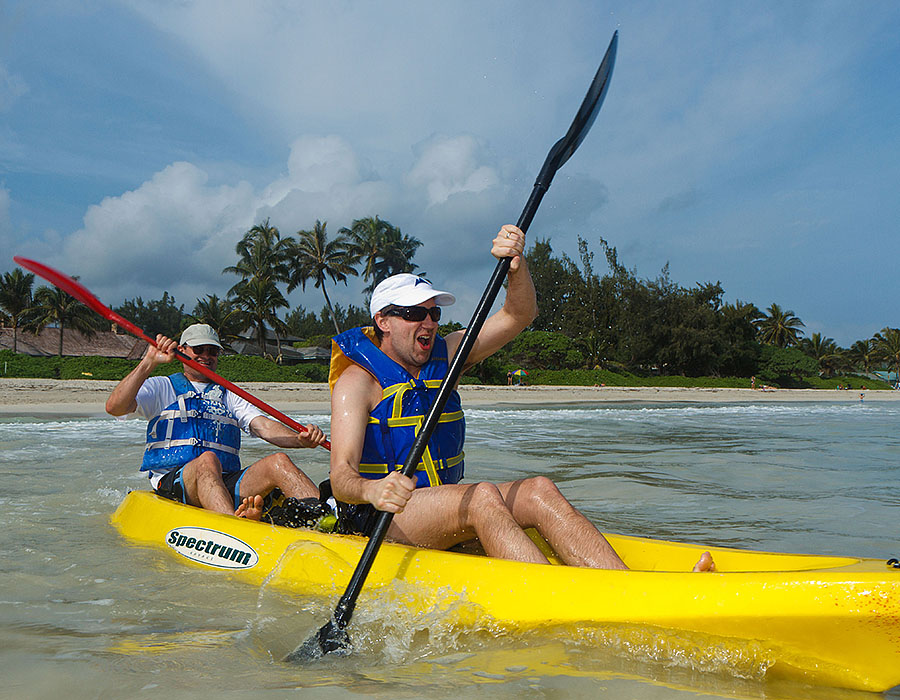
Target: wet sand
[(87, 397)]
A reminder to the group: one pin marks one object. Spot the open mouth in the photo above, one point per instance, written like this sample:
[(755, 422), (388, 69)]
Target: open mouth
[(424, 341)]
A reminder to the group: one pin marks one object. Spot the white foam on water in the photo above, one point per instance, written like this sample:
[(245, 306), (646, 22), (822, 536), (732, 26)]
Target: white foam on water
[(815, 477)]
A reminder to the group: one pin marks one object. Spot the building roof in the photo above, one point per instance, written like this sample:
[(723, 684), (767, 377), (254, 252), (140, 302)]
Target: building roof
[(46, 343), (289, 354)]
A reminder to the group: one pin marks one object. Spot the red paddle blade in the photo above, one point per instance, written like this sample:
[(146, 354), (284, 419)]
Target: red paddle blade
[(74, 288), (63, 281)]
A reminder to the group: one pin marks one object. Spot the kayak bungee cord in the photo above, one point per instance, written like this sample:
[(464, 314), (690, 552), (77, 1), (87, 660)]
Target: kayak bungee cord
[(332, 637)]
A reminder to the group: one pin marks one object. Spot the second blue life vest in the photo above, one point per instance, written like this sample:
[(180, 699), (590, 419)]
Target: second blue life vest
[(196, 422), (394, 422)]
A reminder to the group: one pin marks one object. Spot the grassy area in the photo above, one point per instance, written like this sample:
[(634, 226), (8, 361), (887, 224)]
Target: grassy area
[(235, 368), (240, 368), (603, 377)]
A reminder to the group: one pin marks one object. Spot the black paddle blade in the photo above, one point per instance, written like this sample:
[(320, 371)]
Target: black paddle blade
[(592, 102), (330, 639), (584, 119)]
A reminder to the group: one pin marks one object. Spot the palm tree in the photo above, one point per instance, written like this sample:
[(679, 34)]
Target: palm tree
[(863, 353), (53, 306), (262, 266), (314, 257), (259, 299), (780, 328), (825, 351), (367, 240), (263, 254), (222, 315), (745, 311), (399, 252), (15, 299), (384, 250), (887, 343)]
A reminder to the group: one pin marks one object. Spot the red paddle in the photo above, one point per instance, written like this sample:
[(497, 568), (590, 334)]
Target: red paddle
[(83, 294)]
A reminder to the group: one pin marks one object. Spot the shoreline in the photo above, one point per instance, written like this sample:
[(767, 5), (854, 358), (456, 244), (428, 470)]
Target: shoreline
[(86, 397)]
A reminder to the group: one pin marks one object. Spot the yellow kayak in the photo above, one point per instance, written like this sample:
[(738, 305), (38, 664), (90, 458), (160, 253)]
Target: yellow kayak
[(819, 619)]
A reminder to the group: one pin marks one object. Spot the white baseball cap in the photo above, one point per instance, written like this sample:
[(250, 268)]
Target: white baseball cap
[(200, 334), (407, 290)]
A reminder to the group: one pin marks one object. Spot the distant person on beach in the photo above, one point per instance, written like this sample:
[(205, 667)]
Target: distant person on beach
[(383, 380), (194, 433)]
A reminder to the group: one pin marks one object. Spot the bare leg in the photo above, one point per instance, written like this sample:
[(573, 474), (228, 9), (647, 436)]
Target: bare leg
[(204, 486), (277, 470), (537, 503), (442, 516)]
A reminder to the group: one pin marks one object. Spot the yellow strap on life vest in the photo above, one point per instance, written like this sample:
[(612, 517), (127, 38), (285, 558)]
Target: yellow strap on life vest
[(340, 362), (433, 478)]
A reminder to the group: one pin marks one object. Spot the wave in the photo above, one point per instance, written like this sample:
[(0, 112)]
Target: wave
[(643, 413)]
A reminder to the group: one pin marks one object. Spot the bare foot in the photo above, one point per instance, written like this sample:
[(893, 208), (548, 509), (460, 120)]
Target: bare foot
[(251, 508), (705, 563)]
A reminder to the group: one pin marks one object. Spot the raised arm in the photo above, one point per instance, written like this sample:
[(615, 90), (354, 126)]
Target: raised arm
[(518, 310), (122, 399)]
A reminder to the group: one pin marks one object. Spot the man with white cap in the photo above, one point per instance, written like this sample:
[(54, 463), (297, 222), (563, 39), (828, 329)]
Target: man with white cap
[(193, 437), (383, 381)]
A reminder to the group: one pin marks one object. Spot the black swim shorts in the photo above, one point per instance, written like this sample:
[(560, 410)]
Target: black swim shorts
[(171, 486), (353, 518)]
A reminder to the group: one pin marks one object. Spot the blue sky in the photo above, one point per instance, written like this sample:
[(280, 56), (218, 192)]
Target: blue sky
[(753, 144)]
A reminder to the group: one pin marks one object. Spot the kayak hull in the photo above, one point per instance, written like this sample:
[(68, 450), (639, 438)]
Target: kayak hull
[(819, 619)]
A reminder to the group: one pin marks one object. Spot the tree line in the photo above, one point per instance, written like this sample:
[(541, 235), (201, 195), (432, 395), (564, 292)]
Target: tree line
[(268, 266), (656, 326), (587, 320)]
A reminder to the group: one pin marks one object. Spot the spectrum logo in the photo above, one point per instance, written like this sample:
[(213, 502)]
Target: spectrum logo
[(212, 548)]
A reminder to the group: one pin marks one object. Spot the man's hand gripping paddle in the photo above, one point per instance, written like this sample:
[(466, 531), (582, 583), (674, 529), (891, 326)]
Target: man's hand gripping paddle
[(332, 637), (83, 294)]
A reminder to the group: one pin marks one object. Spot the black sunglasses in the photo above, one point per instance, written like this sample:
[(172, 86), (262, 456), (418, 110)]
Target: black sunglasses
[(413, 313), (212, 350)]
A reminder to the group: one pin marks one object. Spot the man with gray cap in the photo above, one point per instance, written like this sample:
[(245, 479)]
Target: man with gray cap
[(383, 381), (194, 433)]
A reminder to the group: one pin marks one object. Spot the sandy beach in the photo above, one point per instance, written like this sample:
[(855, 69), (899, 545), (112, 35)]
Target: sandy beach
[(87, 397)]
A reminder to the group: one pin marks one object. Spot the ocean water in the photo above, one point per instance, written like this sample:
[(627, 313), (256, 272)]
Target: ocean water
[(83, 614)]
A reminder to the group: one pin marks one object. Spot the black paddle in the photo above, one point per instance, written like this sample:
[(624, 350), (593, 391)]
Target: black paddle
[(332, 637)]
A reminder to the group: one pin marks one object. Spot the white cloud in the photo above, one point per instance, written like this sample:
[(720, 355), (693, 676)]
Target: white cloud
[(177, 232), (12, 87), (174, 232), (451, 165), (320, 164), (325, 181)]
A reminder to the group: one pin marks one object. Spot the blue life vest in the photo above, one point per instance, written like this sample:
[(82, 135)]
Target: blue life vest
[(195, 423), (394, 422)]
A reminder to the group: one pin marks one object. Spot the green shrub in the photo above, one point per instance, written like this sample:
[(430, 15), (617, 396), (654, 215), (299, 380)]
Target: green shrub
[(542, 350), (245, 368), (785, 367), (605, 377), (240, 368), (235, 368), (852, 381)]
